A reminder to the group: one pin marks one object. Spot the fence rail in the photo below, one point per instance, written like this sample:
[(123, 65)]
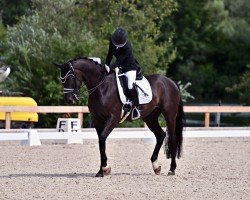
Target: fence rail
[(207, 110)]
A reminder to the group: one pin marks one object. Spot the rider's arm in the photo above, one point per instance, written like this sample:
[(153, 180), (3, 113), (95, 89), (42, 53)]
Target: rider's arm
[(118, 61), (126, 51)]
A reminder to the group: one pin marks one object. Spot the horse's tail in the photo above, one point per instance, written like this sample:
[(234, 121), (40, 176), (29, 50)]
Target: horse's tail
[(180, 123)]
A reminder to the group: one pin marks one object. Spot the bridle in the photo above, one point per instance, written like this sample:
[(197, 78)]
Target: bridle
[(74, 90)]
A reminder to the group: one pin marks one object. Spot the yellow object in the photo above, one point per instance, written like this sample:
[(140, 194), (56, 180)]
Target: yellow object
[(19, 101)]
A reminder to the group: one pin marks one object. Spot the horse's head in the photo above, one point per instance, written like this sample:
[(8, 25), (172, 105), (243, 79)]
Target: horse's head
[(71, 83)]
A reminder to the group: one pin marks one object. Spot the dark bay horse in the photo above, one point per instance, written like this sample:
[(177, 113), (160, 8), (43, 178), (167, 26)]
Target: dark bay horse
[(105, 107)]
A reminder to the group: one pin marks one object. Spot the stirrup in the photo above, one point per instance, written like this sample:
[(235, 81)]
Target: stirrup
[(135, 113)]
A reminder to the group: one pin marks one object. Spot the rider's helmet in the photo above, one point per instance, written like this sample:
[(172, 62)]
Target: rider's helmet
[(119, 38)]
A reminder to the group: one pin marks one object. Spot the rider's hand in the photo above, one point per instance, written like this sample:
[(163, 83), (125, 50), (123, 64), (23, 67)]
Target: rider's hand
[(107, 68)]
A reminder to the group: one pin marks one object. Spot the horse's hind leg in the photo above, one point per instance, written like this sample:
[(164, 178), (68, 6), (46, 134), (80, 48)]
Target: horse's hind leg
[(153, 125), (171, 145)]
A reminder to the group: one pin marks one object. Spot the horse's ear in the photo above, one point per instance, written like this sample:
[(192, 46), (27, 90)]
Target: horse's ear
[(57, 65)]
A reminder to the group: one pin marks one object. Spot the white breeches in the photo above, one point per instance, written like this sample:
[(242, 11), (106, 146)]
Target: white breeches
[(131, 75)]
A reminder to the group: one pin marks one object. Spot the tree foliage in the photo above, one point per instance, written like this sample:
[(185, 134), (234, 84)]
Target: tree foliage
[(242, 88), (11, 10), (211, 45), (36, 42)]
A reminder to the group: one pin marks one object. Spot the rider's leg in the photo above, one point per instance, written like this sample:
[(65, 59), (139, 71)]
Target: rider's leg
[(136, 111), (131, 75), (134, 96)]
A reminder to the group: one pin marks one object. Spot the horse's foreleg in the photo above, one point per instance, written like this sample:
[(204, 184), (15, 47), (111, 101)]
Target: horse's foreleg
[(104, 168), (102, 136)]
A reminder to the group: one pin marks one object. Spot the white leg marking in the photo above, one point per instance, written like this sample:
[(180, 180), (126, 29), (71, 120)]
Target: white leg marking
[(105, 168), (155, 165)]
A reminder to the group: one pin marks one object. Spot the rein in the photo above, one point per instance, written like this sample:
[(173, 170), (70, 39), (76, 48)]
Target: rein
[(90, 91)]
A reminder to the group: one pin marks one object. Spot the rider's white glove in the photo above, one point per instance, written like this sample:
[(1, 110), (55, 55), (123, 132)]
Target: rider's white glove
[(107, 68)]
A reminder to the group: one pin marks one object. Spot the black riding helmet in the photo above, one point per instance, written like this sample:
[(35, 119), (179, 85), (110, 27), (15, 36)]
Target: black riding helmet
[(119, 38)]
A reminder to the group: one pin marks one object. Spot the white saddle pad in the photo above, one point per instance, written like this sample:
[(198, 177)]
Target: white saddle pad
[(144, 96)]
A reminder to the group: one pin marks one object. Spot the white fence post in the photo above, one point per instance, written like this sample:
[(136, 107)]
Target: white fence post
[(33, 139)]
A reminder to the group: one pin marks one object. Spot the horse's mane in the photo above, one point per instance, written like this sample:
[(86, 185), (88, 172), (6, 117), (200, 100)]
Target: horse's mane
[(85, 58)]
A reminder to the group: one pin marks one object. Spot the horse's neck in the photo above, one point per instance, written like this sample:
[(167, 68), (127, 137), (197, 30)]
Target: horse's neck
[(91, 74)]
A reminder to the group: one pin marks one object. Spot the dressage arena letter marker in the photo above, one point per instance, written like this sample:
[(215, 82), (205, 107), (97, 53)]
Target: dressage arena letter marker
[(74, 124), (69, 125), (61, 124)]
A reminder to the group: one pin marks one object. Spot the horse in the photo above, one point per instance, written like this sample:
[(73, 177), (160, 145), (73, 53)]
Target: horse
[(105, 108)]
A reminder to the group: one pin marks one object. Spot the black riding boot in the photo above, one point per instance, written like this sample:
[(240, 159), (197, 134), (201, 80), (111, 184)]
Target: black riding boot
[(134, 98)]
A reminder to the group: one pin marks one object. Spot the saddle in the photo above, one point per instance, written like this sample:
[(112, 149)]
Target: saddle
[(143, 90)]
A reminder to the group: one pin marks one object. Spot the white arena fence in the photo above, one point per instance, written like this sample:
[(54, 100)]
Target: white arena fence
[(33, 137)]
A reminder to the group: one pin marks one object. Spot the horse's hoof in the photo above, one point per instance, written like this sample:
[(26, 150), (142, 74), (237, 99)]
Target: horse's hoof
[(107, 171), (99, 175), (171, 173), (157, 170)]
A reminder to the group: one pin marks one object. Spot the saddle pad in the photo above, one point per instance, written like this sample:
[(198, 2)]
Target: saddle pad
[(144, 96)]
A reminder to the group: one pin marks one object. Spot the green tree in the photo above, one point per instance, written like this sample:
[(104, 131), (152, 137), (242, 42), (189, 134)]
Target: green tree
[(242, 89), (11, 10), (210, 46), (3, 36), (240, 20)]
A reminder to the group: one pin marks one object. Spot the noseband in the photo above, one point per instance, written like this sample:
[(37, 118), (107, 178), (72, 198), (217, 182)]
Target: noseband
[(74, 90)]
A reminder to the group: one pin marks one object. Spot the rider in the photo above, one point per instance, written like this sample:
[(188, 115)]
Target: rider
[(121, 48)]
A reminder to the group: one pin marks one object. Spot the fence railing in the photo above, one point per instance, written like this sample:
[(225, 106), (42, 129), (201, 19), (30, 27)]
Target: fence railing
[(207, 110), (80, 110)]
